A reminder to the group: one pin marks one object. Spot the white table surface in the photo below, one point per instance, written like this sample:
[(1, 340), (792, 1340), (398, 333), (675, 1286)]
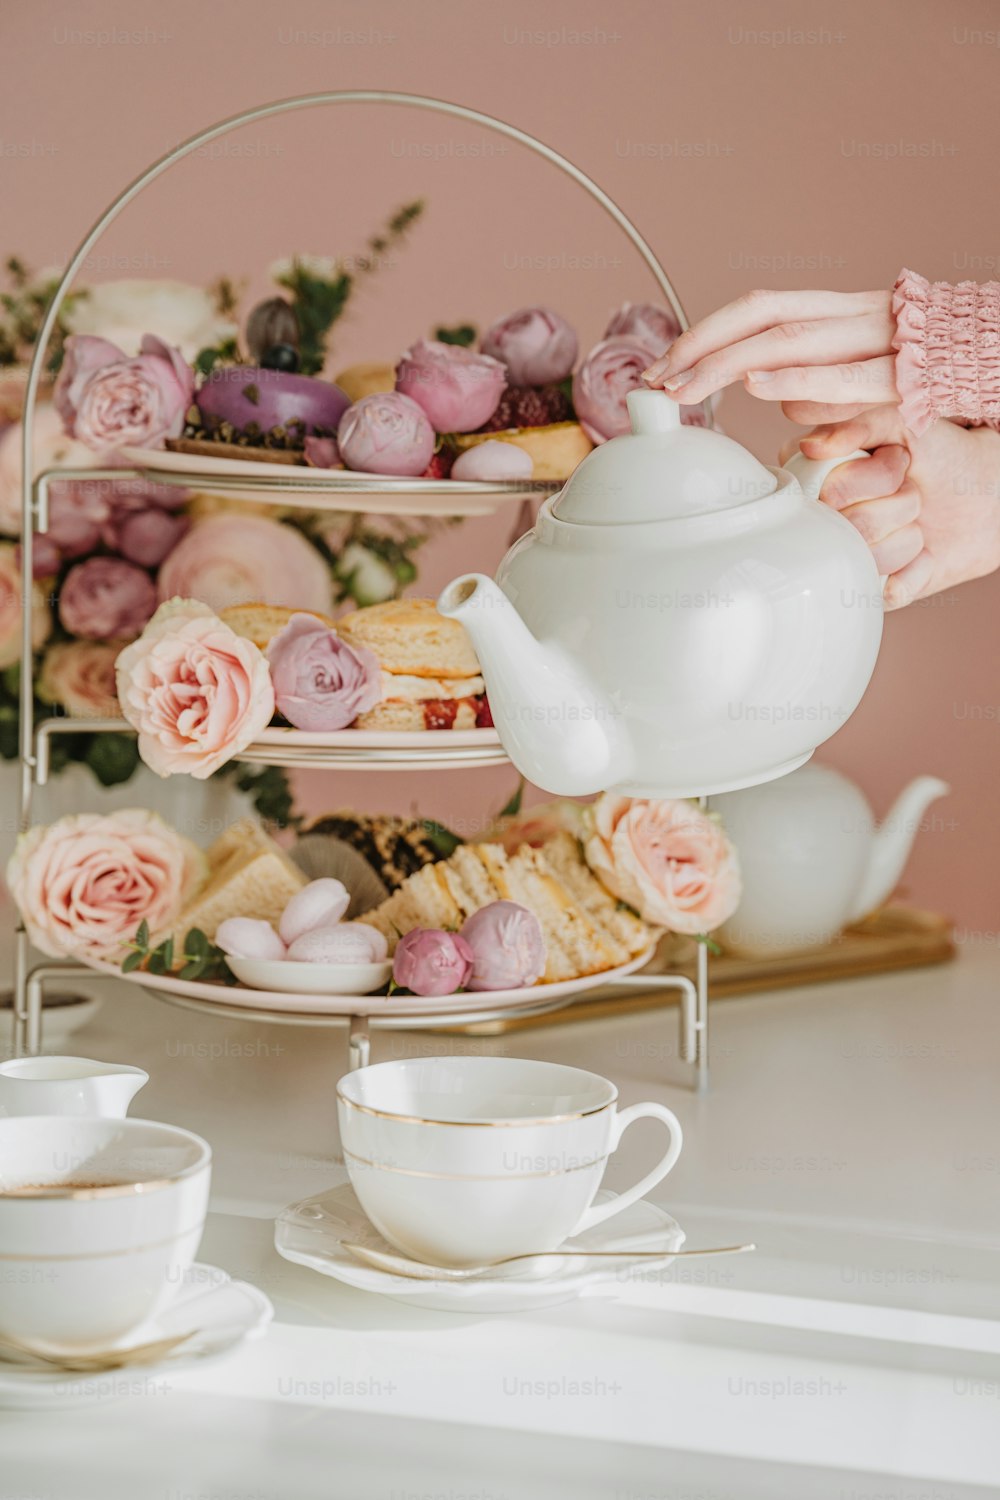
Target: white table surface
[(852, 1130)]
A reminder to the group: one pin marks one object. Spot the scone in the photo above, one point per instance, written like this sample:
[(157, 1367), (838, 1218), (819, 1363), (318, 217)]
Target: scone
[(260, 623), (555, 449), (586, 930), (410, 637), (430, 673)]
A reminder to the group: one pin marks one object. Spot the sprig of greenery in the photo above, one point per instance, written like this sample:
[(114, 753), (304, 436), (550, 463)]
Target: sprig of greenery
[(463, 334), (200, 959)]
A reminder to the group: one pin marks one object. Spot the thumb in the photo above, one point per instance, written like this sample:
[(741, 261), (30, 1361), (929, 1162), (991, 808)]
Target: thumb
[(874, 428)]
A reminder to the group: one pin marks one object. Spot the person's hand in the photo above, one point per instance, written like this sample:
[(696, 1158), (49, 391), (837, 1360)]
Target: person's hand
[(787, 346), (928, 507)]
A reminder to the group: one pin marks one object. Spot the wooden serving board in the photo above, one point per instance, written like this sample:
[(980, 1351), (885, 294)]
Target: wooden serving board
[(897, 937)]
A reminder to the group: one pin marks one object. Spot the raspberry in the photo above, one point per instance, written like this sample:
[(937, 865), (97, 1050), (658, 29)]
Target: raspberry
[(440, 464), (529, 406)]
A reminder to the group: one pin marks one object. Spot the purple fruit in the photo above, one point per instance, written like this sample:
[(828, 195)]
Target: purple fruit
[(248, 395)]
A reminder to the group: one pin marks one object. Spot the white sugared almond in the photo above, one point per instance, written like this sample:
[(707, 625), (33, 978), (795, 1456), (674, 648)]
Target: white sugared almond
[(246, 937), (350, 943)]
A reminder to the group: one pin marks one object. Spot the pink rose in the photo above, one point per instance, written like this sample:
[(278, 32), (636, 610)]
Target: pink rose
[(106, 599), (508, 949), (612, 369), (320, 682), (386, 433), (645, 323), (84, 884), (52, 450), (429, 961), (196, 691), (241, 559), (457, 388), (11, 602), (80, 677), (536, 345), (536, 825), (109, 401), (668, 860)]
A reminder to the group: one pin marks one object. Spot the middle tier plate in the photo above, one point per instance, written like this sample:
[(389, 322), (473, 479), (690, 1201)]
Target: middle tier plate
[(306, 488), (378, 750)]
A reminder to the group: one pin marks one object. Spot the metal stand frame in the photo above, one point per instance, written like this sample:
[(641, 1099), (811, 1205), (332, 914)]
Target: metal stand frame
[(29, 983)]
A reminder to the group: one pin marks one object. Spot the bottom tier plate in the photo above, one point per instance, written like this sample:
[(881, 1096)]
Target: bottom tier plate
[(407, 1008)]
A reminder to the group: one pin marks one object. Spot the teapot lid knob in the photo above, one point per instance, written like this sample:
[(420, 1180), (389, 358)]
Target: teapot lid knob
[(653, 411)]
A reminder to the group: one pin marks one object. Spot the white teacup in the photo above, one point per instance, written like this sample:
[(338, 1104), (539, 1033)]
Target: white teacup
[(462, 1160), (100, 1219)]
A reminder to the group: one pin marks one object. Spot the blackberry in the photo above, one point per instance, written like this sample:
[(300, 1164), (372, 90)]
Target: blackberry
[(529, 406)]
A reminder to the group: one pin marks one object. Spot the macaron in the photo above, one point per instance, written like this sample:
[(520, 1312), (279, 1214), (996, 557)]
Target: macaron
[(350, 943), (246, 937), (321, 903)]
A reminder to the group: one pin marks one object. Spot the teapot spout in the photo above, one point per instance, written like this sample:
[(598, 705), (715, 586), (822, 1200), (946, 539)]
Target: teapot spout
[(893, 841), (558, 730)]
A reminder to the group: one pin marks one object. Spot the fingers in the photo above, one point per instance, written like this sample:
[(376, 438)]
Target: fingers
[(823, 341), (754, 313), (899, 549), (878, 519), (872, 427), (911, 582), (866, 479), (813, 413), (866, 382)]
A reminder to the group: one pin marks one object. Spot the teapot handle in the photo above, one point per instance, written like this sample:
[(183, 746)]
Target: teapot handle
[(811, 472)]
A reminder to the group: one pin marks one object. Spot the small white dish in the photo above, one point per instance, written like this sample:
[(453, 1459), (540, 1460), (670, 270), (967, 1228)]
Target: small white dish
[(226, 1314), (291, 978), (312, 1234)]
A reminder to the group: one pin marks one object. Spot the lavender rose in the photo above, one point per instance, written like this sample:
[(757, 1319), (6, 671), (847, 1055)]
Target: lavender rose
[(106, 599), (508, 949), (536, 345), (147, 536), (386, 433), (109, 401), (652, 326), (429, 961), (320, 682), (457, 388), (611, 369)]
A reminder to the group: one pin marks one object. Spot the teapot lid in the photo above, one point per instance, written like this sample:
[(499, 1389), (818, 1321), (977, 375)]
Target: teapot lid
[(660, 471)]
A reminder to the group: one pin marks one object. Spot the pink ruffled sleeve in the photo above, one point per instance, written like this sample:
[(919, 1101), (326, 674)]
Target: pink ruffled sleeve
[(947, 344)]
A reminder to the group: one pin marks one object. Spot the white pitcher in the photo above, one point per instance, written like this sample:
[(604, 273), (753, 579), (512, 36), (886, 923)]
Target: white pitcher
[(68, 1086)]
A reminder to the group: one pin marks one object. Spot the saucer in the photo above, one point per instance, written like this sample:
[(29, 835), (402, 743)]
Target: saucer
[(226, 1314), (311, 1233), (290, 978)]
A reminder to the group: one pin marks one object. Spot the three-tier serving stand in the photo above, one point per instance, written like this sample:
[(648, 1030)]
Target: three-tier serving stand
[(316, 491)]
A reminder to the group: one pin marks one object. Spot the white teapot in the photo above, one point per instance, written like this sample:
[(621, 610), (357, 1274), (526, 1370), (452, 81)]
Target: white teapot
[(812, 858), (680, 620)]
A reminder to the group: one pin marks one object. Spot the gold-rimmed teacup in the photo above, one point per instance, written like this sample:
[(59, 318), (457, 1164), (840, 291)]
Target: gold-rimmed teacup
[(100, 1219), (462, 1160)]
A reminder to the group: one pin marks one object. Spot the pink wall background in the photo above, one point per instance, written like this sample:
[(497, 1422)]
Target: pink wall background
[(753, 143)]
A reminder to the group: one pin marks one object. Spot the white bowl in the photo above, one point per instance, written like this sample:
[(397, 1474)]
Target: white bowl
[(104, 1239), (290, 978)]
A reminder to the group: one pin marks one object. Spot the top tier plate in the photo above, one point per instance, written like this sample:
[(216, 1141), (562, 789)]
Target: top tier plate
[(336, 489)]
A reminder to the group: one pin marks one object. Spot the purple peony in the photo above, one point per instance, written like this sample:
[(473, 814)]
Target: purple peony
[(652, 326), (320, 682), (457, 388), (536, 345), (386, 433), (106, 598), (430, 961), (508, 949)]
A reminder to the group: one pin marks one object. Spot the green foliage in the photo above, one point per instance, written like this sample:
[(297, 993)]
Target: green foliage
[(463, 334), (199, 960), (206, 359), (268, 788), (112, 757), (441, 839), (513, 807)]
